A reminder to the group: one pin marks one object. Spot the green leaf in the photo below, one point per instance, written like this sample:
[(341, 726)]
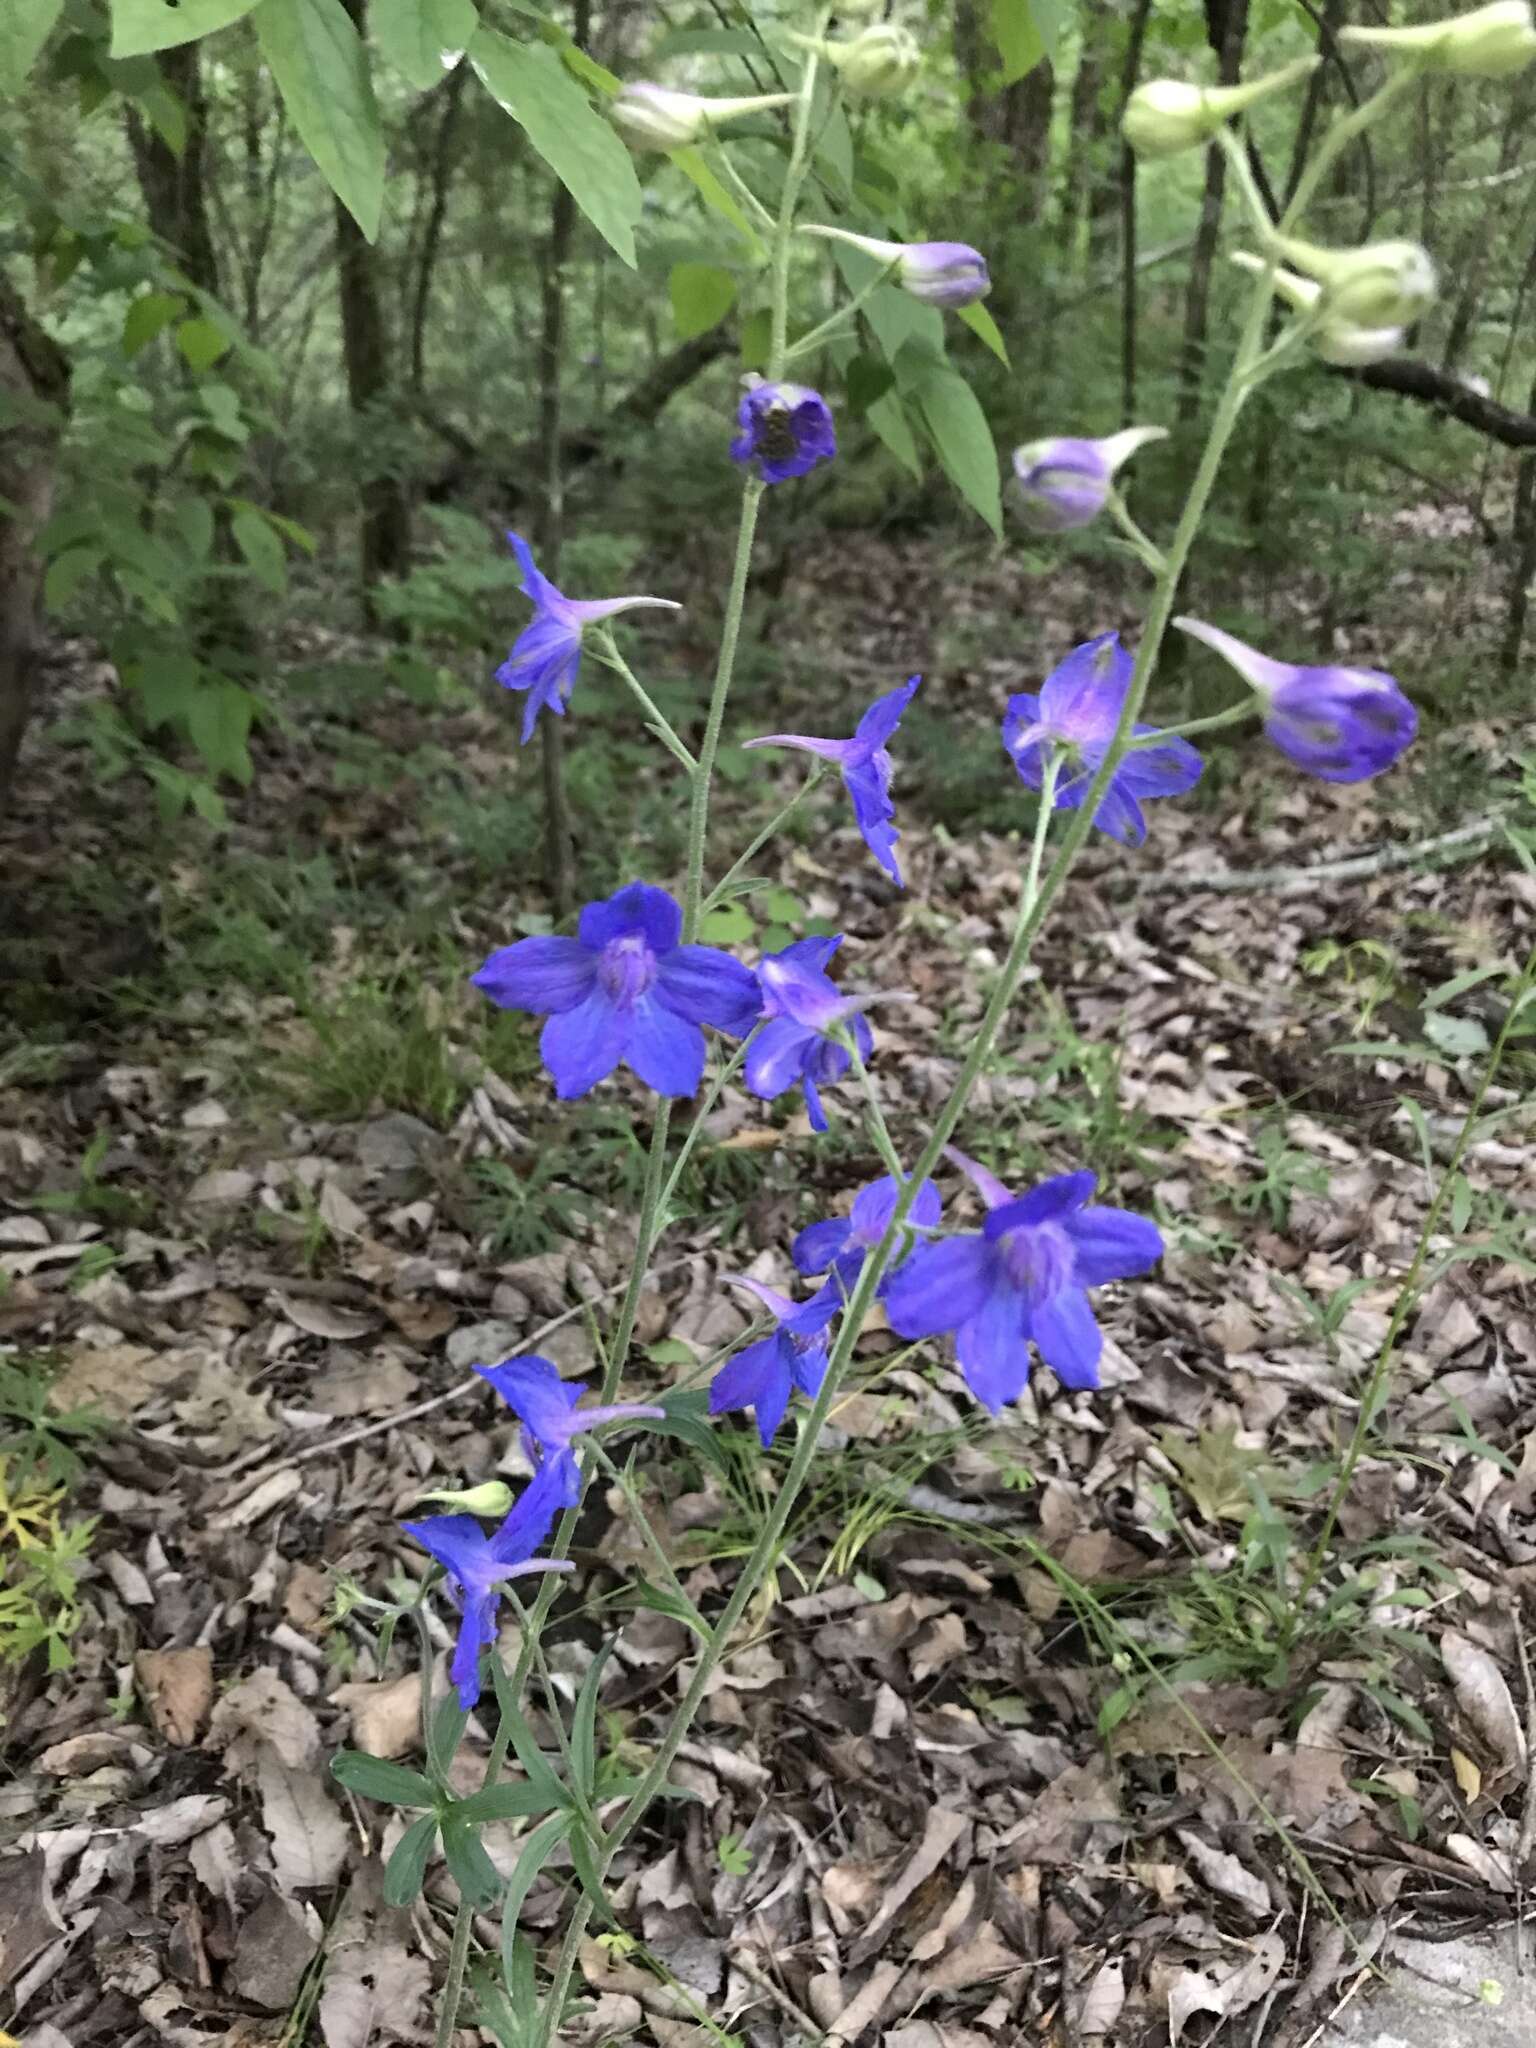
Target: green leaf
[(260, 546), (716, 197), (660, 1600), (150, 314), (756, 339), (587, 1874), (25, 26), (202, 343), (534, 87), (963, 441), (423, 39), (584, 1723), (502, 1802), (1025, 31), (140, 26), (728, 926), (321, 68), (981, 323), (218, 723), (472, 1870), (888, 418), (449, 1721), (406, 1869), (537, 1850), (371, 1777), (702, 294), (166, 688), (66, 573), (192, 519)]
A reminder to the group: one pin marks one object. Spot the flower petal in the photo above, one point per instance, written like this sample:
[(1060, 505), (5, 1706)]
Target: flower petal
[(992, 1349), (829, 750), (868, 787), (795, 989), (1168, 769), (819, 1244), (986, 1184), (544, 975), (808, 1367), (1119, 814), (1053, 1200), (1112, 1244), (635, 908), (1082, 696), (664, 1049), (1069, 1338), (757, 1378), (477, 1631), (708, 987), (458, 1543), (884, 715), (555, 1485), (587, 610), (533, 1389), (941, 1286), (536, 585), (581, 1047), (776, 1058)]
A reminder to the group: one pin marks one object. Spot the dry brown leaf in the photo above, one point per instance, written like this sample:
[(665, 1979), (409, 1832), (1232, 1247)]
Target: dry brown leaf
[(119, 1379), (373, 1992), (1484, 1697), (352, 1386), (1102, 2001), (1192, 1991), (386, 1714), (1225, 1874), (941, 1830), (178, 1690)]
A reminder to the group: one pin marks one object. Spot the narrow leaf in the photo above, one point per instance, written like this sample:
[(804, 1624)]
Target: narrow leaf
[(537, 1850), (534, 87), (406, 1870), (584, 1723), (502, 1802), (981, 324), (321, 68), (716, 196), (472, 1870), (373, 1777)]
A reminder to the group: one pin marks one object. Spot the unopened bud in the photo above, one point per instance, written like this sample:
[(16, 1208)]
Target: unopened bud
[(493, 1499), (1490, 42), (1066, 482), (878, 63), (948, 274), (655, 117), (1165, 116), (1384, 284), (1336, 340)]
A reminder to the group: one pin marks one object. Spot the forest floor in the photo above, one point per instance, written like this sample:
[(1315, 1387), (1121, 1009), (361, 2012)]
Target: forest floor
[(1030, 1739)]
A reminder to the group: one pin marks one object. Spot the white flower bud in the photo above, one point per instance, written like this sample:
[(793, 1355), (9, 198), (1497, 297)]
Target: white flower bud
[(1490, 42), (878, 63), (655, 117), (1165, 116), (1384, 284), (1335, 340), (494, 1498)]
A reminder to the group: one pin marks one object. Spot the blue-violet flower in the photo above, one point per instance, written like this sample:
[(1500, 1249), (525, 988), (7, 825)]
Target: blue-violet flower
[(545, 1404), (547, 653), (1342, 724), (1023, 1277), (1065, 482), (944, 274), (866, 766), (477, 1564), (842, 1243), (1078, 708), (793, 1355), (624, 988), (786, 430), (803, 1007)]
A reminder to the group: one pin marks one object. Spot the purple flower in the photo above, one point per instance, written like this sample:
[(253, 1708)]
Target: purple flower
[(547, 653), (866, 769), (785, 429), (803, 1007), (477, 1564), (1343, 724), (545, 1404), (944, 274), (844, 1242), (1024, 1276), (1078, 708), (624, 989), (1066, 483), (795, 1355)]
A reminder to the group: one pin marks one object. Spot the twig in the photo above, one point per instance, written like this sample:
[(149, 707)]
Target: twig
[(782, 1999), (1289, 881)]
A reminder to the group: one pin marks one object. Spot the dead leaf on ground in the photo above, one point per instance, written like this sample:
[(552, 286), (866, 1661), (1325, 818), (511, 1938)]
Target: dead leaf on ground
[(178, 1690), (386, 1714), (1484, 1697)]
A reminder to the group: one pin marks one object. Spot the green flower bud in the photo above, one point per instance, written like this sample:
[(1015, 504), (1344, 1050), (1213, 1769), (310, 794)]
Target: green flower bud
[(1490, 42), (1335, 340), (655, 117), (1165, 116), (1384, 284), (878, 63), (493, 1499)]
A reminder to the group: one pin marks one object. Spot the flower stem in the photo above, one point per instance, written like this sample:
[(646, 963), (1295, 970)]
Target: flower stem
[(1234, 715), (833, 321), (769, 832), (661, 725), (725, 670), (453, 1985), (1146, 550)]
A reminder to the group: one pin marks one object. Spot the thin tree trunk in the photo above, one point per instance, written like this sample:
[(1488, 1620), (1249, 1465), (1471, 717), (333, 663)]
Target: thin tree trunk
[(34, 381), (437, 213), (1132, 72), (1226, 23), (385, 543), (175, 187), (1523, 534), (559, 853)]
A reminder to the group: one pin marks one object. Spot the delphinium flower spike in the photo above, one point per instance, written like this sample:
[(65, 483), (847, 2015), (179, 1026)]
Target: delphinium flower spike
[(477, 1565), (786, 429), (1341, 724), (806, 1014), (1022, 1278), (866, 768), (794, 1354), (545, 1404), (1078, 709), (840, 1245), (625, 988), (1065, 483), (547, 653)]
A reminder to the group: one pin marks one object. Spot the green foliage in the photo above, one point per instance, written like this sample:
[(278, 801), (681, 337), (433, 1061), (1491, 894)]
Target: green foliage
[(417, 36), (142, 26), (41, 1551), (25, 25), (321, 69)]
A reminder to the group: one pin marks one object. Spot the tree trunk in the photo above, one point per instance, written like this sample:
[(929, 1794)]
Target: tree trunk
[(1523, 534), (437, 213), (385, 542), (175, 188), (34, 383), (559, 852), (1226, 27), (1128, 80)]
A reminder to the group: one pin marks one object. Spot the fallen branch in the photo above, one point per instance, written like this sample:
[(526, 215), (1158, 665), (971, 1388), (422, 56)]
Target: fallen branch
[(1289, 881), (1410, 378)]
